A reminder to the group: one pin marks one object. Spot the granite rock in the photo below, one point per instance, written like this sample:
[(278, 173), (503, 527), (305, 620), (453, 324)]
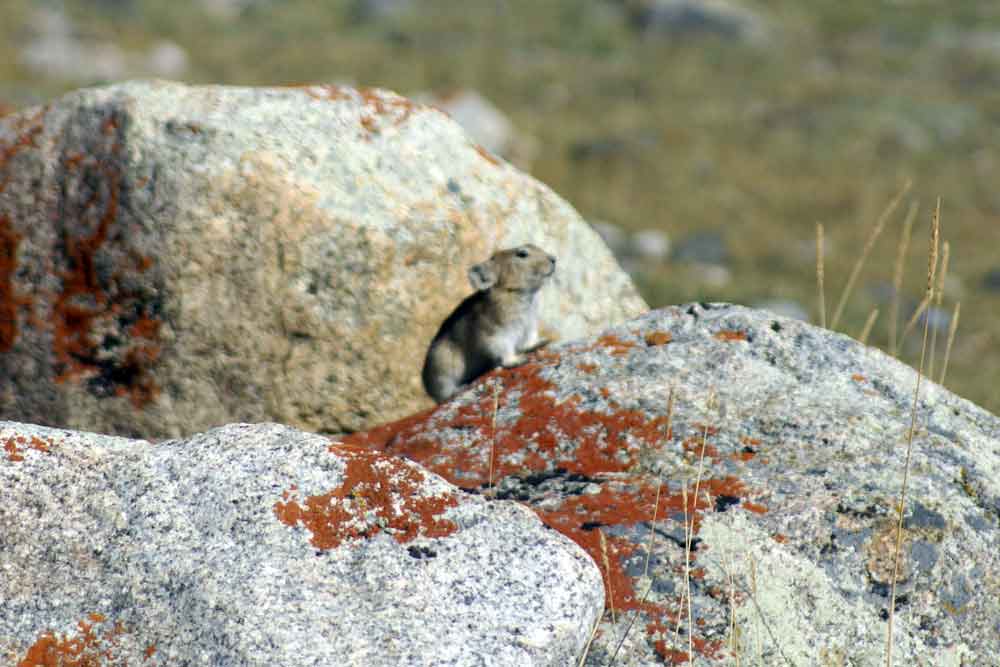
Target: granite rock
[(264, 545), (783, 454), (174, 258)]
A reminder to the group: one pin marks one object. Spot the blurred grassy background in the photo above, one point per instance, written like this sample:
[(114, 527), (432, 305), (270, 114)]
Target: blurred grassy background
[(820, 120)]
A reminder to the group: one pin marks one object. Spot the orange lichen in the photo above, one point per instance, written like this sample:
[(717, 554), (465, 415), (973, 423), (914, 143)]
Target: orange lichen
[(730, 336), (15, 446), (615, 345), (555, 434), (629, 502), (780, 538), (379, 493), (486, 155), (586, 367), (328, 92), (658, 338), (858, 377), (86, 649), (754, 507), (603, 442)]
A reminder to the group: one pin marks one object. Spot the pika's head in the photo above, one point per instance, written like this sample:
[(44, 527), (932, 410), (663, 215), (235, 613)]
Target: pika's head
[(522, 269)]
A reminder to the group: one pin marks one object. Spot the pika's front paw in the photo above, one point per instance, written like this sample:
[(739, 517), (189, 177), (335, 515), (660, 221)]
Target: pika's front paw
[(536, 346), (512, 361)]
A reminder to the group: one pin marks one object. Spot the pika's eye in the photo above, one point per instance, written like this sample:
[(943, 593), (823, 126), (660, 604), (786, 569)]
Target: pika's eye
[(521, 253)]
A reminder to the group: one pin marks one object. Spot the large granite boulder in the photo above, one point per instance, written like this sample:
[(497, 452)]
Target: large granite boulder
[(263, 545), (174, 258), (784, 455)]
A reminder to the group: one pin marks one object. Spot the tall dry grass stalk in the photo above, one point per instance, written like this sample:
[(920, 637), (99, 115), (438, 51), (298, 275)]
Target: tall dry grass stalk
[(590, 640), (912, 322), (820, 256), (932, 258), (689, 527), (938, 296), (867, 329), (753, 596), (869, 245), (652, 534), (607, 573), (897, 273), (686, 595), (733, 629), (952, 328)]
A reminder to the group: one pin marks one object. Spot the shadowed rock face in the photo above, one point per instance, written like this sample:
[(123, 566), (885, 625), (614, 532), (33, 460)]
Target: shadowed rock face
[(174, 258), (263, 545), (785, 452)]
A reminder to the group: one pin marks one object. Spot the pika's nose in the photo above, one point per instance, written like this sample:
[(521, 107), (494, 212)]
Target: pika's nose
[(552, 261)]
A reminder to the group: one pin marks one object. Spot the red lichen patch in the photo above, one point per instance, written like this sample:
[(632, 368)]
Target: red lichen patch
[(553, 433), (376, 105), (629, 502), (730, 336), (857, 377), (379, 493), (751, 447), (754, 507), (10, 302), (328, 92), (16, 445), (548, 435), (780, 538), (104, 333), (486, 155), (697, 444), (658, 338), (89, 648), (615, 345), (587, 368)]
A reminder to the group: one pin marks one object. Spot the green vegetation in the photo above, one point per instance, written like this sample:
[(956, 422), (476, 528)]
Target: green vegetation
[(823, 122)]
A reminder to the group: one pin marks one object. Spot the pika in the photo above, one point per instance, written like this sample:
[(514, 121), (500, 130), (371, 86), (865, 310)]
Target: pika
[(495, 326)]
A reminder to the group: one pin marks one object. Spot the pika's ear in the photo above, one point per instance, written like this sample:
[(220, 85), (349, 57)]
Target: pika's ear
[(483, 276)]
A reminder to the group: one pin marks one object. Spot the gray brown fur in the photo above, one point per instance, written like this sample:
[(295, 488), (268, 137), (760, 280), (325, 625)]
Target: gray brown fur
[(495, 326)]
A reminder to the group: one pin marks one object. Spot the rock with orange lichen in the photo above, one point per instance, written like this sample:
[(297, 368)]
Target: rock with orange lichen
[(173, 258), (754, 461), (264, 545)]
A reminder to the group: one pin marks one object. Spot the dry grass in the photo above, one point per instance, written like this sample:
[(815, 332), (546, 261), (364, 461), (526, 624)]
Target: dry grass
[(952, 328), (867, 329), (873, 237), (820, 264), (897, 275), (932, 259), (938, 297)]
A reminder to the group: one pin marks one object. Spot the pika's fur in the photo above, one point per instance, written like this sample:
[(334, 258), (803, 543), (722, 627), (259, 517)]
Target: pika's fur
[(495, 326)]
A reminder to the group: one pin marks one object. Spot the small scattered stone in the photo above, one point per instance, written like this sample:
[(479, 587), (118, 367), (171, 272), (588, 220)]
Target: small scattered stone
[(705, 247), (651, 245), (991, 281)]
